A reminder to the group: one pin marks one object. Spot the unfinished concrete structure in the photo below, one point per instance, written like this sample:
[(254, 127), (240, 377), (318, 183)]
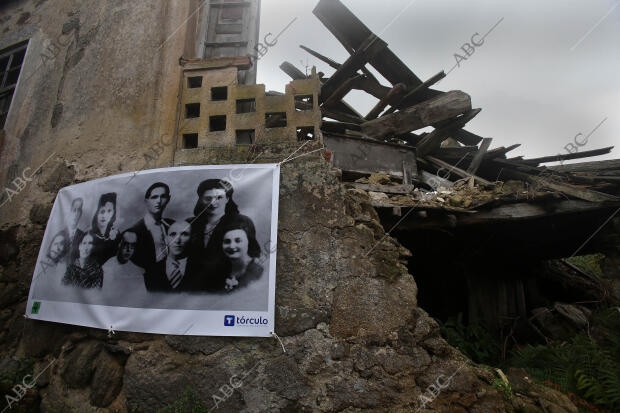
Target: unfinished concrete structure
[(215, 110)]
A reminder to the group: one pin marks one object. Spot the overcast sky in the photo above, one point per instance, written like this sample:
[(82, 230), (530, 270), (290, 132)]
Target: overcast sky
[(548, 71)]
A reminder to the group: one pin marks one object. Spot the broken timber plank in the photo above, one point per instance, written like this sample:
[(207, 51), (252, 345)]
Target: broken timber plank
[(457, 171), (397, 90), (434, 181), (351, 32), (598, 166), (341, 91), (319, 56), (341, 116), (369, 48), (501, 151), (292, 71), (432, 141), (339, 126), (475, 163), (568, 189), (564, 157), (371, 86), (467, 138), (415, 92), (424, 114)]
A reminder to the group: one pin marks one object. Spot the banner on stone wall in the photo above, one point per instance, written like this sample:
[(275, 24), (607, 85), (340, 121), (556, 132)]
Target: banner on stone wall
[(187, 250)]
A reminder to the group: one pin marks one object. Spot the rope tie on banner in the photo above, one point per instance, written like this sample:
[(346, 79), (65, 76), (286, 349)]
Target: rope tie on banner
[(291, 158), (303, 154), (274, 335)]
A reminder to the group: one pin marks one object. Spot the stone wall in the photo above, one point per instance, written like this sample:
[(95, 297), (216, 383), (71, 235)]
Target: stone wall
[(346, 311)]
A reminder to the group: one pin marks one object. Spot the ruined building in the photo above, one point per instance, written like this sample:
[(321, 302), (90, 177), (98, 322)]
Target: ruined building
[(92, 89)]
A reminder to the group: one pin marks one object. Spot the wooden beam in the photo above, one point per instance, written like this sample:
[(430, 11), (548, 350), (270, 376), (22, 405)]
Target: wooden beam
[(370, 47), (371, 86), (342, 117), (475, 163), (501, 151), (547, 182), (457, 171), (341, 91), (339, 126), (424, 114), (351, 32), (392, 95), (524, 210), (467, 138), (292, 71), (567, 156), (597, 166), (432, 141), (415, 92), (319, 56)]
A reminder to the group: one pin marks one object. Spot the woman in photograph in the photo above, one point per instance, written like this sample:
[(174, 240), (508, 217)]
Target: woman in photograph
[(53, 265), (85, 271), (238, 255), (106, 239), (214, 203)]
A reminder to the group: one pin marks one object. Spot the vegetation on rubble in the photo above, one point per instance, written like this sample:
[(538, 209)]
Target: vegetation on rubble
[(473, 339), (586, 367), (590, 264)]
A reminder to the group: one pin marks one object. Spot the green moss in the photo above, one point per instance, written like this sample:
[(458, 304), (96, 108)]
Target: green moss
[(590, 264), (188, 403)]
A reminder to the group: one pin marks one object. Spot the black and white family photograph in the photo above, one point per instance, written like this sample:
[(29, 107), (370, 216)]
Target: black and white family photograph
[(197, 238)]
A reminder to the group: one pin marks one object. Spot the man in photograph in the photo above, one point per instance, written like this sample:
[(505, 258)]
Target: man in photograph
[(73, 232), (176, 272), (121, 277), (153, 228)]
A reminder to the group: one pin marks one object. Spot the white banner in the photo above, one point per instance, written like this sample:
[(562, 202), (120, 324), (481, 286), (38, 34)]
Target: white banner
[(188, 251)]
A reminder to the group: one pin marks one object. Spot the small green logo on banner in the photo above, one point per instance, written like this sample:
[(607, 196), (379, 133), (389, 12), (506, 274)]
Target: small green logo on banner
[(35, 307)]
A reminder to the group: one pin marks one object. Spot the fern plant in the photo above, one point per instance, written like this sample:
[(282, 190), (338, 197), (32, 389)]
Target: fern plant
[(473, 340), (587, 367)]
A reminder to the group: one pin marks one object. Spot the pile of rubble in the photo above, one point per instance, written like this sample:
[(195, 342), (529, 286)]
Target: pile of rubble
[(449, 167)]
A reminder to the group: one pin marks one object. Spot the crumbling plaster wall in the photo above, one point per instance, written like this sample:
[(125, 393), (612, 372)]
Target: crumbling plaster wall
[(97, 94)]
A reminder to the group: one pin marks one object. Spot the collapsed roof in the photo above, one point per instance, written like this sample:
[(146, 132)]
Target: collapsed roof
[(422, 168)]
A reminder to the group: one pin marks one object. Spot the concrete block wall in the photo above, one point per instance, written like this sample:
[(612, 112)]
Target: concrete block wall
[(254, 120)]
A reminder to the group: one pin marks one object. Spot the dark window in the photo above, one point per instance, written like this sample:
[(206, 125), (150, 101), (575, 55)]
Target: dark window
[(245, 137), (303, 102), (219, 93), (11, 60), (194, 82), (192, 110), (275, 120), (217, 123), (190, 140), (246, 105), (305, 133)]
